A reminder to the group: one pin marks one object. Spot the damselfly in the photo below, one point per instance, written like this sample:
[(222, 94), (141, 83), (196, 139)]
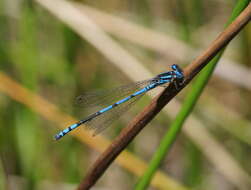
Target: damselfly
[(121, 99)]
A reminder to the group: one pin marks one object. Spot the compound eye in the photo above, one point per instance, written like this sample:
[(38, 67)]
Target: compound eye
[(174, 67)]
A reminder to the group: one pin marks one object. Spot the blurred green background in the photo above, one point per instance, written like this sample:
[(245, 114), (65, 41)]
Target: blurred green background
[(48, 57)]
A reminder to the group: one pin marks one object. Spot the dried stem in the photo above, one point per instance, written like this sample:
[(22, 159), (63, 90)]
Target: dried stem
[(149, 112)]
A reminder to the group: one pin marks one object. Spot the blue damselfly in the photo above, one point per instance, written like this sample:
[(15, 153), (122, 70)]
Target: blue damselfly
[(121, 99)]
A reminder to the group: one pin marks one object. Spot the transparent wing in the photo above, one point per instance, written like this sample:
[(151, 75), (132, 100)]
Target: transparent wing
[(107, 97), (100, 123)]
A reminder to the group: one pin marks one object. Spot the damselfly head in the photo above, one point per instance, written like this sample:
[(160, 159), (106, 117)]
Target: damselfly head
[(175, 75), (174, 67), (178, 71)]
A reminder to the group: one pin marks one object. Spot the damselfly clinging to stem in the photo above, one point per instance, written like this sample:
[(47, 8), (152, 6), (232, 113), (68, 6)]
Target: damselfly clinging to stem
[(120, 100)]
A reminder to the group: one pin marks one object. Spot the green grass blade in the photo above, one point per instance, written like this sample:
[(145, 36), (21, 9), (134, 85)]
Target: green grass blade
[(186, 109)]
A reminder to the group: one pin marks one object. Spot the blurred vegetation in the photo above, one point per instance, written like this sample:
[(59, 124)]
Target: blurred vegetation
[(50, 59)]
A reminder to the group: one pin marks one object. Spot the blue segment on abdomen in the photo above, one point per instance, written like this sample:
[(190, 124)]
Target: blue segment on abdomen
[(74, 126), (67, 130), (140, 91), (147, 88), (106, 109), (128, 98), (124, 100)]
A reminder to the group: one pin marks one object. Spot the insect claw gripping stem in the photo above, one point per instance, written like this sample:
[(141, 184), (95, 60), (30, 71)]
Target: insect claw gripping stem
[(130, 93)]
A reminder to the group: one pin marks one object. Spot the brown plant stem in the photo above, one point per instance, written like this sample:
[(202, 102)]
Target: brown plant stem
[(150, 111)]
